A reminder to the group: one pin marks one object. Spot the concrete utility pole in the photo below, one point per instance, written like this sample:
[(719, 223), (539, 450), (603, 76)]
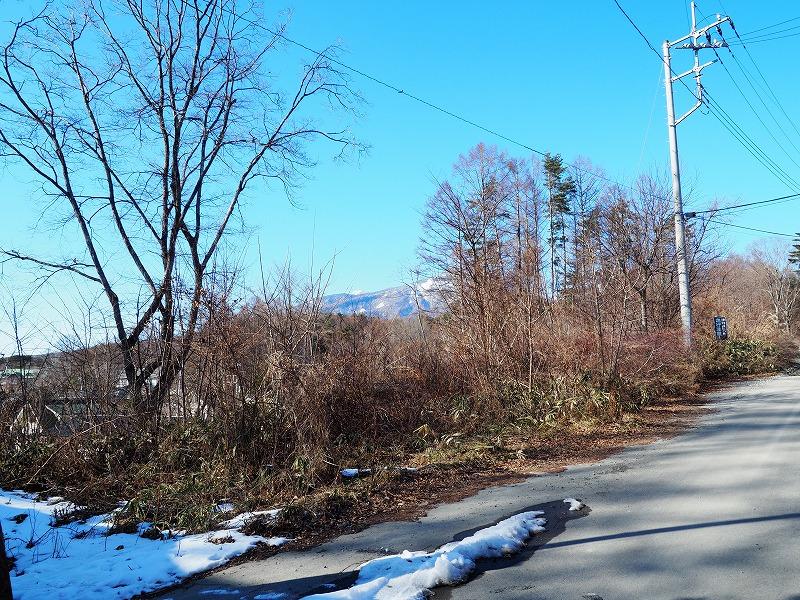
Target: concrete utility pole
[(691, 41)]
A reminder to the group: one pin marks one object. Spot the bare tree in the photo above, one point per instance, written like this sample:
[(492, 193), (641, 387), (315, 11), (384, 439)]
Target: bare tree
[(470, 241), (638, 238), (585, 214), (778, 280), (148, 122)]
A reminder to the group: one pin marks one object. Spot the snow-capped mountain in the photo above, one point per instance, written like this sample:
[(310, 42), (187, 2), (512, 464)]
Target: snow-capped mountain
[(391, 303)]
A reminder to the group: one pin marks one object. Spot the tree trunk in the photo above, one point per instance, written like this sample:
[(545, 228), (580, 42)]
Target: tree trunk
[(552, 243), (5, 568), (643, 309)]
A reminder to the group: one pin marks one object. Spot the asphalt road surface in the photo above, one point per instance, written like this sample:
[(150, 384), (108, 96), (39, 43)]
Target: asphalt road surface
[(713, 514)]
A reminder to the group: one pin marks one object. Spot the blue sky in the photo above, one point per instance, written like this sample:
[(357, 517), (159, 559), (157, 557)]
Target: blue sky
[(567, 77), (572, 78)]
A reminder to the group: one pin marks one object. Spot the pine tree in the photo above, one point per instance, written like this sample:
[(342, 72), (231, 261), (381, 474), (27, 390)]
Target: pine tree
[(794, 255), (560, 191)]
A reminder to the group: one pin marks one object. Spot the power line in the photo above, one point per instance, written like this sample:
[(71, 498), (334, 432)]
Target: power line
[(508, 138), (738, 211), (427, 103), (753, 149), (747, 204), (636, 27), (452, 114), (771, 26), (781, 174), (752, 108), (719, 113), (713, 220), (392, 87), (729, 123), (749, 78), (737, 132), (771, 33), (733, 128), (766, 83), (769, 39)]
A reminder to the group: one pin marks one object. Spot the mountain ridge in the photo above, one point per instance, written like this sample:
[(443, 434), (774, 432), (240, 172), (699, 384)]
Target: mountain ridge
[(397, 302)]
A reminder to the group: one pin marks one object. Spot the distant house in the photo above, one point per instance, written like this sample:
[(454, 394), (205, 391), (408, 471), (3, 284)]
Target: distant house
[(64, 417), (18, 370), (33, 392), (180, 403), (59, 395)]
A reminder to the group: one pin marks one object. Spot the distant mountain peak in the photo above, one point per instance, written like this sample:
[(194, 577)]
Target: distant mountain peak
[(391, 303)]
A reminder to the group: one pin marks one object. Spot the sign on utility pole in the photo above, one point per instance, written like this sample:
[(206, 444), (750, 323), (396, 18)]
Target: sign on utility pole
[(691, 41)]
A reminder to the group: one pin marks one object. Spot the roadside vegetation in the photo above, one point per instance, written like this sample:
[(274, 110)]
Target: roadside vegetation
[(276, 397), (558, 291)]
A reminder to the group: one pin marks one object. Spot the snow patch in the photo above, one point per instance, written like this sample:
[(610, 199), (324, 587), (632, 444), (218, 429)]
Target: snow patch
[(80, 559), (411, 575), (239, 521), (427, 285), (350, 473), (574, 504), (391, 303)]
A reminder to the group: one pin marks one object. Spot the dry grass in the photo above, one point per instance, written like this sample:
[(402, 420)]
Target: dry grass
[(284, 408)]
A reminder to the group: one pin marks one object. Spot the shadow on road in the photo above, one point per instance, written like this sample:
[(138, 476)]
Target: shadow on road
[(657, 530), (557, 514)]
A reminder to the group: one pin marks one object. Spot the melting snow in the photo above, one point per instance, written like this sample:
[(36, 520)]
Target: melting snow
[(411, 575), (243, 519), (574, 503), (79, 560), (348, 473)]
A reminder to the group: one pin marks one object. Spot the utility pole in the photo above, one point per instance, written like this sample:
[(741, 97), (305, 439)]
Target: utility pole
[(691, 41)]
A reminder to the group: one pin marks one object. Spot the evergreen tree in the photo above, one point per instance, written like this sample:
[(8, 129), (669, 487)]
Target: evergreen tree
[(794, 255), (560, 192)]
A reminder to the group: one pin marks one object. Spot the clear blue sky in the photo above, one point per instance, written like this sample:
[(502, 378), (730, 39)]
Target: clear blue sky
[(567, 77), (571, 77)]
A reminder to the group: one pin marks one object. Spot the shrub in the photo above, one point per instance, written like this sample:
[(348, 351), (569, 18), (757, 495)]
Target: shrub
[(738, 356)]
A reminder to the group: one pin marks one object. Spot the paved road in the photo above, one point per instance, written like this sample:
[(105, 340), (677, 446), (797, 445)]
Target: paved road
[(711, 515)]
